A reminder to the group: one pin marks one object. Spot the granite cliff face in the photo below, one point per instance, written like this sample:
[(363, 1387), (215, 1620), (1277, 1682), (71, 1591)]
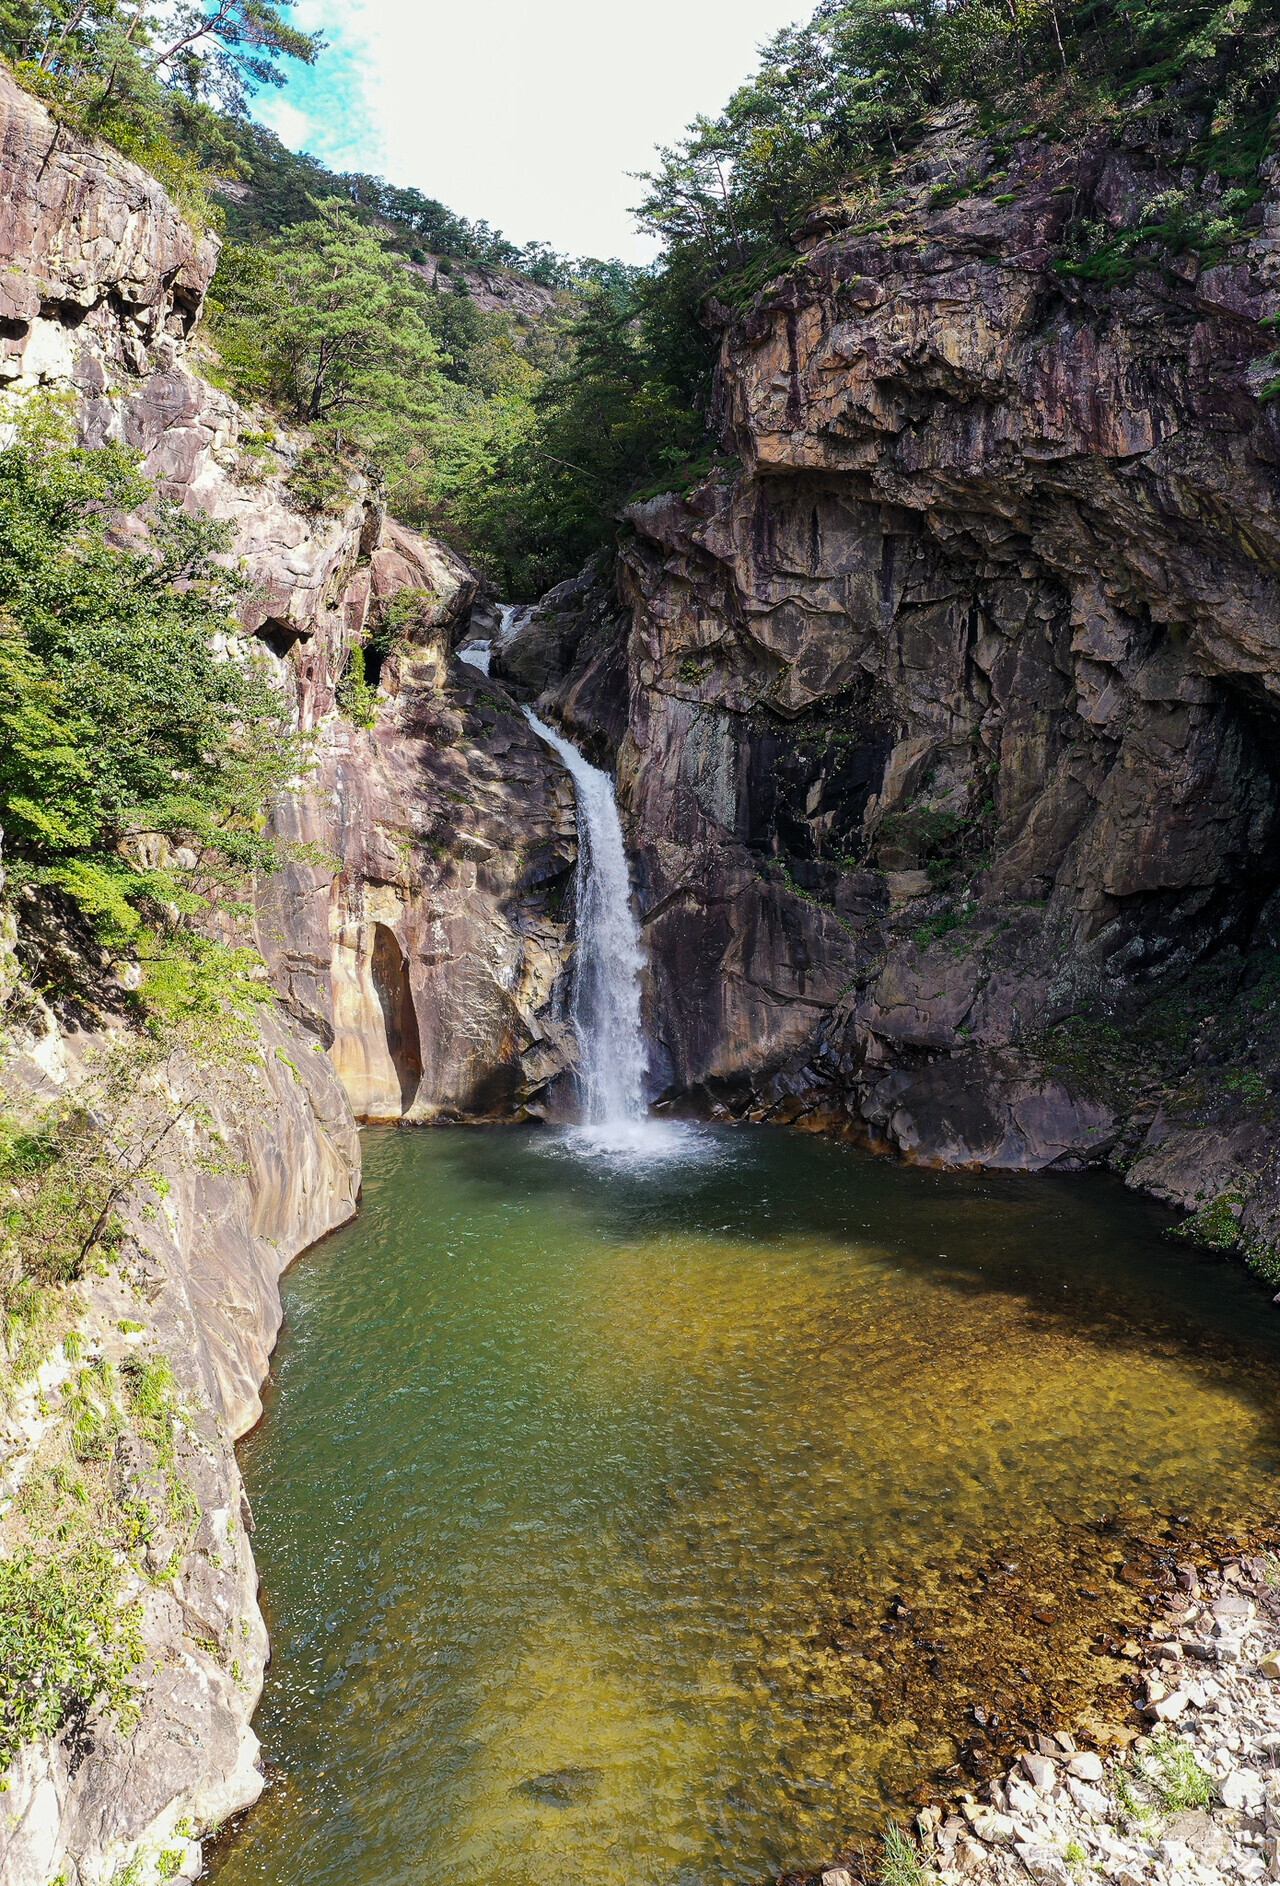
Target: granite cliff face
[(274, 1167), (432, 964), (945, 724), (428, 950), (951, 712)]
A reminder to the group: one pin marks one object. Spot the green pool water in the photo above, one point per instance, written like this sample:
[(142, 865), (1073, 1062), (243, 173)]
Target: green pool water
[(567, 1466)]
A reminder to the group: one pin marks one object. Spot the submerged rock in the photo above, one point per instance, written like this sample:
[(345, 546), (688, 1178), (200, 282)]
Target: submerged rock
[(563, 1787)]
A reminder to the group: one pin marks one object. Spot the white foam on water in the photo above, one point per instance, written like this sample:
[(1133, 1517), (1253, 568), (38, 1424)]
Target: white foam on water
[(511, 615), (637, 1144)]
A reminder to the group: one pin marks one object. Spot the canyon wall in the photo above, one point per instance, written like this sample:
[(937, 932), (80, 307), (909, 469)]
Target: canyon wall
[(273, 1165), (944, 712), (950, 698), (425, 947)]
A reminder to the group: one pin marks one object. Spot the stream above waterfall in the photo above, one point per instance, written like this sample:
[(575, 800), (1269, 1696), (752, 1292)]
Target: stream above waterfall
[(590, 1494)]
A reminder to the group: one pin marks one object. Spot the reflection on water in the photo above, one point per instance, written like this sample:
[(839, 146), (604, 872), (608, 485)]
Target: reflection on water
[(584, 1478)]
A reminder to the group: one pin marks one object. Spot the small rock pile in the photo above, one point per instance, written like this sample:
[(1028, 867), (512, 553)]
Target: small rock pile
[(1194, 1799)]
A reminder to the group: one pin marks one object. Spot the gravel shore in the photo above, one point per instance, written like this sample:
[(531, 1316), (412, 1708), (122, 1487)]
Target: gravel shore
[(1195, 1797)]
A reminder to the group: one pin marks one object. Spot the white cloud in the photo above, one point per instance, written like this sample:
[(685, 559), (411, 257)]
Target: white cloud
[(529, 116), (290, 124)]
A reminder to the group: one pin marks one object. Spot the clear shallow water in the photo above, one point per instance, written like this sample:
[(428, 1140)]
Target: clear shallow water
[(570, 1462)]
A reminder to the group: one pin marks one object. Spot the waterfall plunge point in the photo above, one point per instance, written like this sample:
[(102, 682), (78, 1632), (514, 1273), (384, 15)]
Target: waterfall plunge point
[(605, 1005)]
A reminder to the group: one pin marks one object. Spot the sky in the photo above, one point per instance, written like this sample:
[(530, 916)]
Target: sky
[(528, 113)]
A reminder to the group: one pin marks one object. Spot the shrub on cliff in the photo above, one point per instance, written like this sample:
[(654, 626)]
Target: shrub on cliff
[(836, 100), (141, 742), (66, 1645), (154, 78), (833, 105)]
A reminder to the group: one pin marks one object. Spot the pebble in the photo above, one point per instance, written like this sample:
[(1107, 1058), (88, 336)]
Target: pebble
[(1057, 1801)]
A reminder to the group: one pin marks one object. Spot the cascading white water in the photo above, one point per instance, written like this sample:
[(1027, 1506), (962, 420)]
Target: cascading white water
[(478, 654), (610, 958)]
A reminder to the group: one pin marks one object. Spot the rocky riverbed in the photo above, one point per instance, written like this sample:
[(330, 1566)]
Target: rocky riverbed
[(1193, 1796)]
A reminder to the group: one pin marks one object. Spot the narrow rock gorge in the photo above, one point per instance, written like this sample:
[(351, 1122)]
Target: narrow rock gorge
[(418, 964), (944, 719)]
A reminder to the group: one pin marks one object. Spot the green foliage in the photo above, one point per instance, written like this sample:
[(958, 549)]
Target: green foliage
[(329, 326), (1170, 1769), (941, 839), (135, 763), (1185, 1034), (933, 929), (1170, 224), (285, 187), (832, 106), (358, 701), (93, 1416), (900, 1864), (65, 1644), (1215, 1225), (1135, 1807), (67, 1175), (154, 79), (224, 52), (1263, 1260), (694, 669), (545, 492), (319, 482), (835, 101)]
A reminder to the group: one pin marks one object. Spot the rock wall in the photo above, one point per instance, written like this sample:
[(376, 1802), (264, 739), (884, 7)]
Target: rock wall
[(445, 827), (198, 1286), (432, 964), (951, 713)]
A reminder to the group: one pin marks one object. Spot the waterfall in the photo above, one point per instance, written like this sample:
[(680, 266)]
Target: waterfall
[(610, 957), (511, 615)]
